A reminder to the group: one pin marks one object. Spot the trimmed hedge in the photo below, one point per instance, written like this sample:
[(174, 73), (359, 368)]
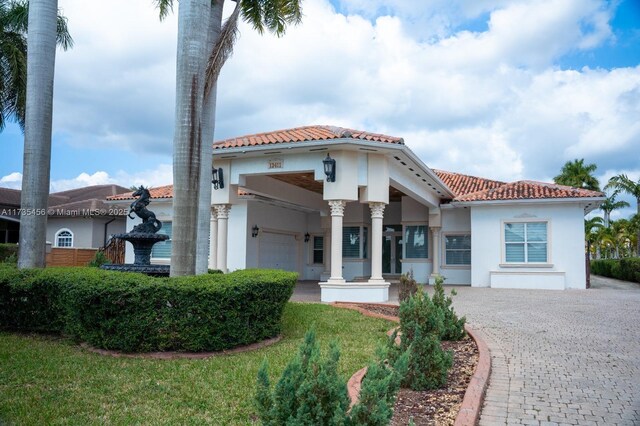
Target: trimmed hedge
[(627, 269), (8, 252), (136, 313)]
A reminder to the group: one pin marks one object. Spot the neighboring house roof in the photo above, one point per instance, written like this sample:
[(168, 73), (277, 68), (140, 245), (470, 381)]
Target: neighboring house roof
[(471, 188), (305, 134), (9, 197), (85, 201)]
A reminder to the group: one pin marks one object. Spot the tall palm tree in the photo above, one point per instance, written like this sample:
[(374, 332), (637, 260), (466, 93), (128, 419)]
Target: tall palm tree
[(591, 226), (196, 79), (575, 173), (41, 58), (610, 204), (14, 17), (624, 184)]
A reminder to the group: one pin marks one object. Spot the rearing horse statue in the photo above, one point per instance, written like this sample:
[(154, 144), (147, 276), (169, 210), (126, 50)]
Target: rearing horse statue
[(149, 222)]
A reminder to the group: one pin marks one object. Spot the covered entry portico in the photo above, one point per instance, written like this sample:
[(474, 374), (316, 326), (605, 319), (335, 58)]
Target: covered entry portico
[(277, 208)]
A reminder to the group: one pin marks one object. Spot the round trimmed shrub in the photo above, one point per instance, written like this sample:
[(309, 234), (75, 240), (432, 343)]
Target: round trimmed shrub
[(136, 313)]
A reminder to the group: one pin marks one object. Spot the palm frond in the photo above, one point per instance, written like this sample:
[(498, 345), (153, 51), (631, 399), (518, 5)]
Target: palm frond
[(63, 37), (165, 7), (252, 14), (16, 17), (222, 50)]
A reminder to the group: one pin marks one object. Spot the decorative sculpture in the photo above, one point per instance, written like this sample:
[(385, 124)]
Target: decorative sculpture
[(149, 225), (143, 236)]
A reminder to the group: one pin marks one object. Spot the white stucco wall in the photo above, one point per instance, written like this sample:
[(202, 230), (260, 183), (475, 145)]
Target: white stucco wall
[(455, 221), (565, 234)]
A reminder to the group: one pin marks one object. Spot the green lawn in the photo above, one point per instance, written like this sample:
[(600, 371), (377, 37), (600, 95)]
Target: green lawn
[(47, 380)]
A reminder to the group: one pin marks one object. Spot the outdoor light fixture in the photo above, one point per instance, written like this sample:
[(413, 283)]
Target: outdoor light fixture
[(254, 231), (330, 168), (217, 178), (307, 237)]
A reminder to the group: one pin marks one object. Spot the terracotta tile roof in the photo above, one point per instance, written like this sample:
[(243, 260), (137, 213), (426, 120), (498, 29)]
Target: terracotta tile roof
[(159, 192), (472, 188), (461, 184), (304, 134)]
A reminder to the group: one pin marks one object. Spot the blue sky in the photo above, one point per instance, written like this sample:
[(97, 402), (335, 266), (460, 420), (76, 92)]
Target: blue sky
[(495, 88)]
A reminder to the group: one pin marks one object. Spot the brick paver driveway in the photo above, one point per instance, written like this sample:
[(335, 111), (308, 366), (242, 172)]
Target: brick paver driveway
[(559, 357)]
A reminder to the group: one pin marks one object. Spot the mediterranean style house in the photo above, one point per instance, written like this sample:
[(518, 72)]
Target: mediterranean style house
[(353, 209)]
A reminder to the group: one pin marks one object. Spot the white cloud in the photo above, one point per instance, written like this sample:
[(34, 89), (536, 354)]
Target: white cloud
[(491, 102), (159, 176), (12, 181)]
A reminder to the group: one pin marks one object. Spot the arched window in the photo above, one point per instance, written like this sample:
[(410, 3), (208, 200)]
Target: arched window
[(64, 238)]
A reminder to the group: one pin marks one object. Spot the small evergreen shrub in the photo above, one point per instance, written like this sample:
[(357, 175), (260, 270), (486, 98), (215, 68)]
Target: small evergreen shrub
[(8, 253), (311, 392), (378, 392), (214, 271), (98, 260), (452, 327), (408, 286), (136, 313), (421, 325), (627, 269)]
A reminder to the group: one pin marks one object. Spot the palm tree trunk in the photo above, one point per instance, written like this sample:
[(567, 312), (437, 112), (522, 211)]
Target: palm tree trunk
[(193, 21), (638, 242), (41, 58), (606, 218), (208, 127)]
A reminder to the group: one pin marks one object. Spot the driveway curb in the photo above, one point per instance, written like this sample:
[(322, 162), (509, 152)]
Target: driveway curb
[(469, 413)]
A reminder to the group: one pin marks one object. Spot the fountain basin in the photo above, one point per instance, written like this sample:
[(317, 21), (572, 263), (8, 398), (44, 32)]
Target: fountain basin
[(142, 243)]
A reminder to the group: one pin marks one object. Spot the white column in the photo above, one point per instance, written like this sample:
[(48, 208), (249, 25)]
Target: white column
[(337, 213), (435, 256), (377, 212), (213, 241), (222, 211)]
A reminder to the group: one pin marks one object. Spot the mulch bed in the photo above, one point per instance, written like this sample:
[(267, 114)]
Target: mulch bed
[(440, 406)]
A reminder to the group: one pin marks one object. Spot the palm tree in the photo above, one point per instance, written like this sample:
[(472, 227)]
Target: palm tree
[(575, 173), (13, 58), (624, 184), (199, 30), (591, 226), (41, 58), (610, 204)]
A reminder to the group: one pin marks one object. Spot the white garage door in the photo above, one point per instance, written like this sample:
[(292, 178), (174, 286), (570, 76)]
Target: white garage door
[(278, 251)]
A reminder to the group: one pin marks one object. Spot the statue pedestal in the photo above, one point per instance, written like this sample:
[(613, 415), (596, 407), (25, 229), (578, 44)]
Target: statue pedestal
[(142, 243)]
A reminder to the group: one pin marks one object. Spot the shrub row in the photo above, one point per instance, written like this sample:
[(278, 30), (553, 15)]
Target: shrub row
[(627, 269), (8, 252), (136, 313)]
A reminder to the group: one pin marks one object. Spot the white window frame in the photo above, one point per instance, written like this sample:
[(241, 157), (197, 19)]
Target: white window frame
[(526, 263), (163, 260), (444, 250), (57, 235), (363, 245), (428, 236), (312, 249)]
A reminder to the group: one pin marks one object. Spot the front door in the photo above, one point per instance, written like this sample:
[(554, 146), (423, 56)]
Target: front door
[(392, 250)]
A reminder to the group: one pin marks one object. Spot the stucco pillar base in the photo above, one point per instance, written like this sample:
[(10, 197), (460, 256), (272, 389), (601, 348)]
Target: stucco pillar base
[(354, 292), (432, 278)]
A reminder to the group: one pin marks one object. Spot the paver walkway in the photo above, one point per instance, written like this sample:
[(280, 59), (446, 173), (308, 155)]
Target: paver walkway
[(558, 357)]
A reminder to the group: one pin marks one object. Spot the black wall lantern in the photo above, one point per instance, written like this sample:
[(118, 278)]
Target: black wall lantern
[(217, 178), (307, 237), (330, 168), (254, 231)]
